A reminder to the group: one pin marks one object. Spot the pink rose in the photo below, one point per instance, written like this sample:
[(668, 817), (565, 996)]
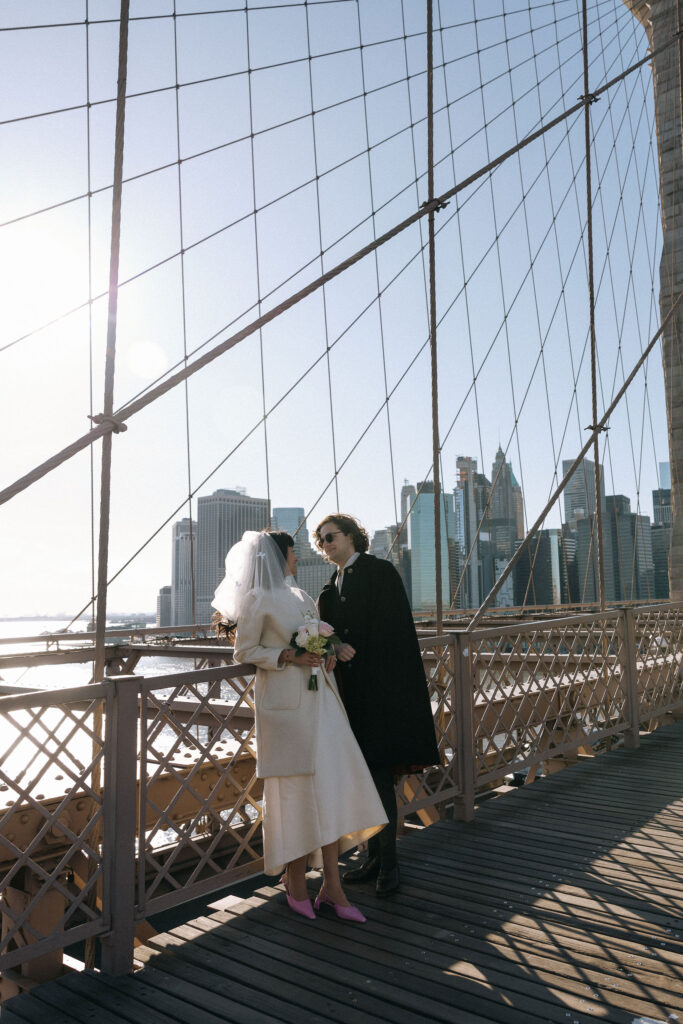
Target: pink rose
[(325, 629)]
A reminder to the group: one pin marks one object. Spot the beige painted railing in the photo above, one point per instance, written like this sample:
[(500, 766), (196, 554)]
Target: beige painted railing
[(179, 813)]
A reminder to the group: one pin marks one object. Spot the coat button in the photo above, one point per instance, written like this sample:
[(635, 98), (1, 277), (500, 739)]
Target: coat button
[(346, 632), (349, 570), (343, 598)]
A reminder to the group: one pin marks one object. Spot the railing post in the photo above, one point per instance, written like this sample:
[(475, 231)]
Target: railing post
[(463, 806), (629, 674), (120, 817)]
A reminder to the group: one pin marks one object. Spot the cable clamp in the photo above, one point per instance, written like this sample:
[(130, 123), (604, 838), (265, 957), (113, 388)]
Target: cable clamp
[(597, 429), (116, 425), (589, 97), (434, 204)]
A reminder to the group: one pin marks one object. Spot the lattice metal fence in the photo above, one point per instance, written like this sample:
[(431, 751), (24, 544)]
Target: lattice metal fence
[(542, 689), (200, 800), (420, 793), (659, 653), (125, 798), (52, 822)]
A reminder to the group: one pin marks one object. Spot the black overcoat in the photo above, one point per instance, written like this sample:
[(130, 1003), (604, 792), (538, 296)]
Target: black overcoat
[(383, 687)]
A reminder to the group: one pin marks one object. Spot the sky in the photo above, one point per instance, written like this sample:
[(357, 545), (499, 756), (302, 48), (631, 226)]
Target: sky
[(236, 195)]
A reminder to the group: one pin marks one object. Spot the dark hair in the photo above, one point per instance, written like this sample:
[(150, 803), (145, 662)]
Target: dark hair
[(348, 525), (284, 541)]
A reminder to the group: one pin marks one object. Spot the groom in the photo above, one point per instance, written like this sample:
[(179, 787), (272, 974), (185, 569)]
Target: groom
[(380, 674)]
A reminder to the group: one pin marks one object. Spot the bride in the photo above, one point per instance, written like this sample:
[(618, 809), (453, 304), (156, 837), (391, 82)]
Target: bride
[(319, 797)]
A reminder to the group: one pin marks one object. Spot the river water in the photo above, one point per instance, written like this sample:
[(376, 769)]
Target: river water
[(42, 676)]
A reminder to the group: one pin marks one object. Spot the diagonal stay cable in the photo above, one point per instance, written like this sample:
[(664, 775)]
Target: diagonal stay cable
[(302, 185), (126, 412), (250, 432), (595, 430)]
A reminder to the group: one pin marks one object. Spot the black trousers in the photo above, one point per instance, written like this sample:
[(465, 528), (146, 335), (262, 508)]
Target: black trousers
[(383, 844)]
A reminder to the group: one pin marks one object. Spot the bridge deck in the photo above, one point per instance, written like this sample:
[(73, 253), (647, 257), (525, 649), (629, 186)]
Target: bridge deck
[(561, 902)]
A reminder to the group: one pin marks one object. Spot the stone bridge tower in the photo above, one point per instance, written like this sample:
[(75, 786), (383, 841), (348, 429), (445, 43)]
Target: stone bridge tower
[(660, 20)]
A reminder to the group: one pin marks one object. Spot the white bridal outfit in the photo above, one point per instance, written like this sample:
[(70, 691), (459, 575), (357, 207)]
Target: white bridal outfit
[(317, 786)]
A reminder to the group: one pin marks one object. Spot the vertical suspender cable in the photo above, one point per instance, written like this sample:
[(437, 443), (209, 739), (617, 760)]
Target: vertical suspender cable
[(432, 318), (257, 259), (587, 100), (676, 511), (188, 452), (90, 316), (105, 486)]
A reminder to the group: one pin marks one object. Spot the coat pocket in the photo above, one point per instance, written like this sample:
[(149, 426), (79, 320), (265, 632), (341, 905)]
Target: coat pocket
[(282, 690)]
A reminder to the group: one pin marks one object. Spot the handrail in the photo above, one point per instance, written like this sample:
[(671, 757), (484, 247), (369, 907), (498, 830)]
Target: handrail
[(179, 752)]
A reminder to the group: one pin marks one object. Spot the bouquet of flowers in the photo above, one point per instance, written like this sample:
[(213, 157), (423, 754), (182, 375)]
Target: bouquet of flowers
[(316, 637)]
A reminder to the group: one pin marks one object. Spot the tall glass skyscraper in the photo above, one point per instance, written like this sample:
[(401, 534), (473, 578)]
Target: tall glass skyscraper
[(423, 560)]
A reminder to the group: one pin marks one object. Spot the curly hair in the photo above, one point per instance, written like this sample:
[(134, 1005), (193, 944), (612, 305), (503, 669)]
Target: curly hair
[(348, 525)]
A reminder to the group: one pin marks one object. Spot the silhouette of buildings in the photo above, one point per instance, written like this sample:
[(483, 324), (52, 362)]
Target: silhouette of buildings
[(423, 560), (222, 518), (539, 575), (184, 539), (164, 607)]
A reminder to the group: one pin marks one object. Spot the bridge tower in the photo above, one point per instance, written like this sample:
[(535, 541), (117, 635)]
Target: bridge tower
[(660, 20)]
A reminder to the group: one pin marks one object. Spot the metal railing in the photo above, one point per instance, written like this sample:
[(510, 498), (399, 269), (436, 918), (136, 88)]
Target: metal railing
[(126, 798)]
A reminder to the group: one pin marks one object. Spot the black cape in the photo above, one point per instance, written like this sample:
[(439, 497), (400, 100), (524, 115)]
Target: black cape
[(384, 688)]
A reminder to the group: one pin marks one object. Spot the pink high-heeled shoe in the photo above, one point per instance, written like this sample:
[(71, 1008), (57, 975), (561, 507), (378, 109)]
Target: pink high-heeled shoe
[(303, 907), (344, 913)]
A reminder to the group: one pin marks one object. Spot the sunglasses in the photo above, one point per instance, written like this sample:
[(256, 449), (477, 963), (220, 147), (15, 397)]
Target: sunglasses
[(327, 538)]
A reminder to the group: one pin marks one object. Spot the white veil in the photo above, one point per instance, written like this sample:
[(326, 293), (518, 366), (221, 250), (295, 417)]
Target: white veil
[(254, 567)]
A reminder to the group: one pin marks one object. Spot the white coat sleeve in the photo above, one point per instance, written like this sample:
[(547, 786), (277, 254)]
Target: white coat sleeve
[(248, 646)]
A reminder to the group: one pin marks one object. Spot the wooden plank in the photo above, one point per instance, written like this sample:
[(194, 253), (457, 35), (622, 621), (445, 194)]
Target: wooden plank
[(233, 990), (431, 970), (123, 999), (560, 902), (509, 977), (185, 1001), (55, 997), (284, 970)]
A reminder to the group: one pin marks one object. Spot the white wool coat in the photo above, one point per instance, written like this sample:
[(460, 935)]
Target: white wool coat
[(286, 710)]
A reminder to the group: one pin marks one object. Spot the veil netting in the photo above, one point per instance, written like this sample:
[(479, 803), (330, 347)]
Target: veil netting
[(255, 569)]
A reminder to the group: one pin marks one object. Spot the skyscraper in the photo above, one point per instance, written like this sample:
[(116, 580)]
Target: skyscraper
[(661, 506), (312, 573), (579, 494), (538, 574), (503, 508), (222, 518), (293, 521), (587, 567), (423, 560), (184, 545), (472, 517), (631, 537), (407, 496), (661, 544), (164, 607), (466, 522)]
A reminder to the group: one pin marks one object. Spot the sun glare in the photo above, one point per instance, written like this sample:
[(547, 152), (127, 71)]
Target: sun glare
[(42, 276), (145, 359)]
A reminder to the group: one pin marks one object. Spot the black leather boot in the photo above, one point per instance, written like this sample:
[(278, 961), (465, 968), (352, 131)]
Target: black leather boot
[(366, 872)]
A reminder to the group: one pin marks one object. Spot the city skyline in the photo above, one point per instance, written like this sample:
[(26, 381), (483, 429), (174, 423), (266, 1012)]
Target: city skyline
[(315, 114), (481, 525)]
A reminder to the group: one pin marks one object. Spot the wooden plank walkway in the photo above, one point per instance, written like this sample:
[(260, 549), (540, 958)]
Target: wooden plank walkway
[(562, 902)]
